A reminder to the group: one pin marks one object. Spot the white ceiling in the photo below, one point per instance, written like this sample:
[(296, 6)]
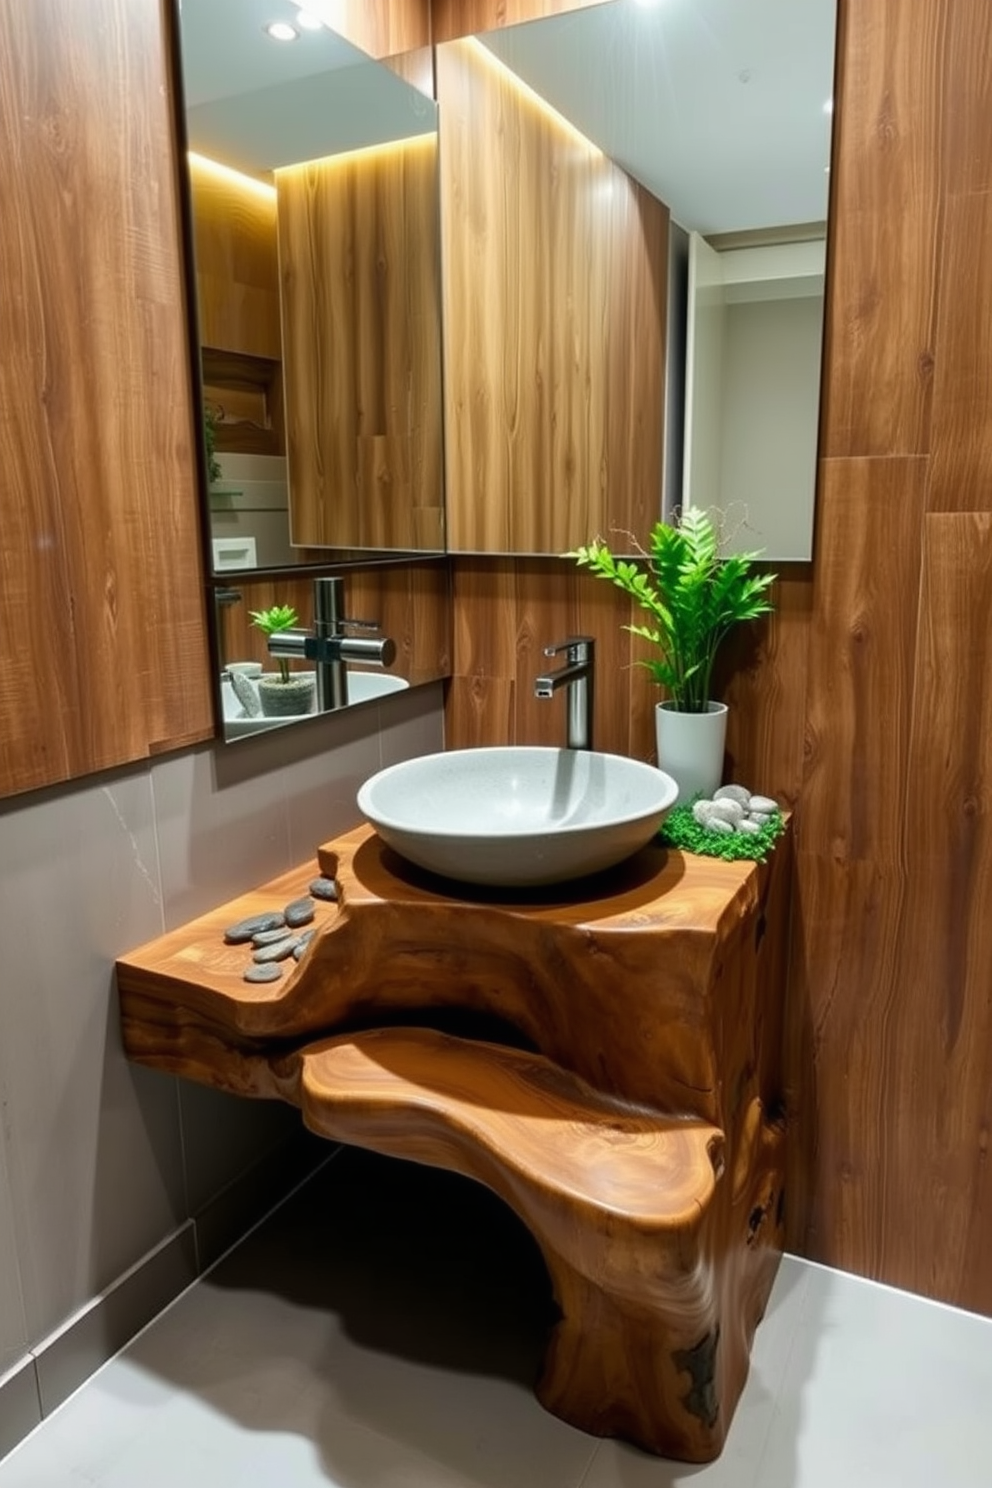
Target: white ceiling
[(717, 106), (255, 104)]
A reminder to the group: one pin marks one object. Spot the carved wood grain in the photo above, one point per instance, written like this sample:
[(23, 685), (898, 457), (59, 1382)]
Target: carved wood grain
[(639, 1135), (553, 375), (103, 649), (358, 258)]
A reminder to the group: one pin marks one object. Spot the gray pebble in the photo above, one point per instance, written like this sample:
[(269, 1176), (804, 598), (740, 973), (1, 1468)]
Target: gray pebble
[(764, 804), (245, 929), (300, 912), (266, 973), (324, 888), (759, 818), (736, 793), (277, 952), (715, 824), (269, 937), (702, 811), (726, 811), (749, 828)]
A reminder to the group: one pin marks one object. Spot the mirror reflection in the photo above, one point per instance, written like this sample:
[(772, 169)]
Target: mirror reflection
[(314, 209), (721, 110)]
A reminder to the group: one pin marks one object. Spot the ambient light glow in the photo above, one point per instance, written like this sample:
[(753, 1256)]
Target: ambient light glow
[(348, 157), (541, 104), (281, 31), (308, 20), (232, 177)]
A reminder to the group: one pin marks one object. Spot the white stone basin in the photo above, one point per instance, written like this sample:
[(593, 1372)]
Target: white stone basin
[(516, 817), (363, 687)]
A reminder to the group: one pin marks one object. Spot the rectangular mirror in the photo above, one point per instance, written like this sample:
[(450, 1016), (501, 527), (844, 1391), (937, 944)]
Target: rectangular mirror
[(719, 112), (313, 176)]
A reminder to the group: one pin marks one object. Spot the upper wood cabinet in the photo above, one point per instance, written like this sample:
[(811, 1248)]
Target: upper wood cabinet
[(554, 290), (103, 636)]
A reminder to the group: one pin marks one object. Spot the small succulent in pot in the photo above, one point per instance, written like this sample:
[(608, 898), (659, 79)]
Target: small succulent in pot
[(273, 620), (694, 597)]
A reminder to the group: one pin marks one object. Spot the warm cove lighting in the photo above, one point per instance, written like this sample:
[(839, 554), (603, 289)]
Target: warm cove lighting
[(281, 31), (347, 157), (229, 176), (526, 91)]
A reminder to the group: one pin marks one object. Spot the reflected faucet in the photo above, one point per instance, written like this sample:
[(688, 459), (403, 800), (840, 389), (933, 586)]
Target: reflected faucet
[(577, 676), (330, 648)]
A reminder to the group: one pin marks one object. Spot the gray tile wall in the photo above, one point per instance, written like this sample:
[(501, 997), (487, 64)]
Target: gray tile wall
[(100, 1161)]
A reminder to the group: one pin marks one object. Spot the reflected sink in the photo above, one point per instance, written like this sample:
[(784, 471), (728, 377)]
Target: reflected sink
[(517, 817), (363, 687)]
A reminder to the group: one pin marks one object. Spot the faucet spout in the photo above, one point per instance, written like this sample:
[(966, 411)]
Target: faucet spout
[(576, 676)]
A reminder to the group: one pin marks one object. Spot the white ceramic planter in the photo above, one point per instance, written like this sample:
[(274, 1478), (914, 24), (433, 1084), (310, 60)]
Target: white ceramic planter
[(690, 747)]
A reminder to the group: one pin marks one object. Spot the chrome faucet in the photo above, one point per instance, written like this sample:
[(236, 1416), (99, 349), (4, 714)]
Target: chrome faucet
[(329, 647), (577, 676)]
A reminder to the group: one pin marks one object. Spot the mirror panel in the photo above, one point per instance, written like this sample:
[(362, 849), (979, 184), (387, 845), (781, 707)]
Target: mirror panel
[(721, 110), (314, 208)]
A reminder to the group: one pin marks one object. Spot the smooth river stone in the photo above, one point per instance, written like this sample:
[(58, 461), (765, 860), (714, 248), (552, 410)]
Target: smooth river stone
[(749, 828), (702, 811), (324, 888), (244, 930), (300, 912), (726, 811), (736, 793), (269, 937), (759, 818), (302, 941), (716, 824), (763, 804), (266, 973), (277, 952)]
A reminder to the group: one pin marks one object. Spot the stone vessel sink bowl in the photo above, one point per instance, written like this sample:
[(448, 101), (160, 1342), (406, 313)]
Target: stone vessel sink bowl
[(517, 817)]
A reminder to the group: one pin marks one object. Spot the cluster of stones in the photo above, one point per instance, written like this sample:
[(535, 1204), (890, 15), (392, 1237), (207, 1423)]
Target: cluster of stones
[(276, 935), (734, 809)]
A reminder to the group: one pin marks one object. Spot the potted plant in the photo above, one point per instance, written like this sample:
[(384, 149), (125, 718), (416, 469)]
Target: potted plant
[(694, 598), (214, 471), (283, 694)]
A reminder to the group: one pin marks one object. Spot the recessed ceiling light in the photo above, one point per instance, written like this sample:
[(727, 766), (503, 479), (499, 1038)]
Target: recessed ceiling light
[(307, 20), (281, 31)]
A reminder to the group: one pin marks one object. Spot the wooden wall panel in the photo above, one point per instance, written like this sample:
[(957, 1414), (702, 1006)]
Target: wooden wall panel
[(506, 611), (103, 648), (237, 262), (382, 28), (358, 251), (554, 274), (454, 18), (883, 231)]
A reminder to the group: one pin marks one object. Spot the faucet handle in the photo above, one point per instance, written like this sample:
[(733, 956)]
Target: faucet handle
[(573, 643)]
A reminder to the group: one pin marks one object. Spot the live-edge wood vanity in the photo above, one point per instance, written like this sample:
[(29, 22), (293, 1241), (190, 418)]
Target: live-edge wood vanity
[(628, 1110)]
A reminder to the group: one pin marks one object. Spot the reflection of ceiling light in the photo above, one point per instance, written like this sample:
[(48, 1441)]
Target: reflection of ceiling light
[(828, 107), (307, 20), (280, 31)]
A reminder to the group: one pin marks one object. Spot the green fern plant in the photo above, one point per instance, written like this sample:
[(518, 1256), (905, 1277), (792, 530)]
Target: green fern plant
[(694, 598), (270, 622)]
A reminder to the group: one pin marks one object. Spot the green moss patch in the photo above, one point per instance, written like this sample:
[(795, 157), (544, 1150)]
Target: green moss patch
[(680, 829)]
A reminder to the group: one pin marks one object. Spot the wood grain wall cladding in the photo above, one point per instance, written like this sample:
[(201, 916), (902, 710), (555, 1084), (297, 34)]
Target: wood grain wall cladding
[(237, 260), (454, 18), (410, 601), (358, 247), (103, 641), (383, 28), (554, 275)]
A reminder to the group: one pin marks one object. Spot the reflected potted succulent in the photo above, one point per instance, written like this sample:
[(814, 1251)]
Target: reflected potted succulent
[(694, 598), (283, 694)]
